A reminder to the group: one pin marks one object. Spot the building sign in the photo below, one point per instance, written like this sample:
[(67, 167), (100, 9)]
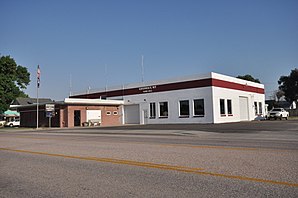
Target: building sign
[(50, 110), (50, 107), (147, 89)]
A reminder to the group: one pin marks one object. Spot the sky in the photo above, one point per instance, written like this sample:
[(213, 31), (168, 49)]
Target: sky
[(86, 44)]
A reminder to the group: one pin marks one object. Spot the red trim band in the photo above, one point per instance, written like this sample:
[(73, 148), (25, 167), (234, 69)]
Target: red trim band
[(208, 82), (236, 86)]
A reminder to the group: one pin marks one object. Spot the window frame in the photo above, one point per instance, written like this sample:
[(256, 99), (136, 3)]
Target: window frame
[(222, 102), (152, 110), (256, 108), (260, 108), (194, 107), (188, 109), (229, 107), (167, 108)]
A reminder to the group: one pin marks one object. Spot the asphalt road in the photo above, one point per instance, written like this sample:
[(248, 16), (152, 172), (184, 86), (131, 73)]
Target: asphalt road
[(250, 159)]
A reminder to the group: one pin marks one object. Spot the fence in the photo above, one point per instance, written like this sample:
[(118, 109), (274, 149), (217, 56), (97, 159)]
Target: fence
[(293, 112)]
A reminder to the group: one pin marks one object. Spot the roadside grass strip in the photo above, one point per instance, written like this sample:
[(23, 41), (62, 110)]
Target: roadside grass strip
[(198, 171)]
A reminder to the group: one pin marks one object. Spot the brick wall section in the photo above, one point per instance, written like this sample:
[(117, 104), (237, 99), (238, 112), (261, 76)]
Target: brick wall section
[(70, 115), (63, 117), (110, 115)]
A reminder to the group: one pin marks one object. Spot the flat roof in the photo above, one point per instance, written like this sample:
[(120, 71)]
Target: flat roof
[(77, 101), (188, 82), (92, 101)]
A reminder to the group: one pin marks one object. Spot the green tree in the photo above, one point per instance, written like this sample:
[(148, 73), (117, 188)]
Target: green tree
[(249, 78), (289, 85), (13, 79), (279, 94)]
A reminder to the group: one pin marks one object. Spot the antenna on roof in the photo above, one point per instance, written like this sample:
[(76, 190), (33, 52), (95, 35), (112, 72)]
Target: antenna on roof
[(106, 75), (70, 85), (88, 90), (142, 64)]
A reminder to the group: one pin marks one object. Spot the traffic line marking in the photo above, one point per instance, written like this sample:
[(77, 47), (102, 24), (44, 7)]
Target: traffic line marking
[(111, 160), (157, 166)]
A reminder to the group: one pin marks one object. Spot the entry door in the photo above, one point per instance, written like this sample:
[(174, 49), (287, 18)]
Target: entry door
[(145, 116), (243, 102), (77, 118)]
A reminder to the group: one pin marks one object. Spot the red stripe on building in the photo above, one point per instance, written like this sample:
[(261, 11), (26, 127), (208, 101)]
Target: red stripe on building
[(236, 86), (171, 87)]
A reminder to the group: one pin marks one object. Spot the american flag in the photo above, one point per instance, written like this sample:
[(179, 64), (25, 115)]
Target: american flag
[(38, 76)]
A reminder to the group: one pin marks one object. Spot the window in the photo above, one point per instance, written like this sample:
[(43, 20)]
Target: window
[(115, 113), (229, 103), (222, 107), (256, 108), (260, 108), (199, 107), (152, 110), (163, 109), (184, 108), (108, 113)]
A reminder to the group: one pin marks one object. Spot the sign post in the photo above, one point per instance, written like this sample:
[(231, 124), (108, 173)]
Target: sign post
[(50, 112), (37, 88)]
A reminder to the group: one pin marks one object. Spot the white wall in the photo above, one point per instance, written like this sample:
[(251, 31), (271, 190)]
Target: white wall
[(223, 93), (173, 98), (211, 96)]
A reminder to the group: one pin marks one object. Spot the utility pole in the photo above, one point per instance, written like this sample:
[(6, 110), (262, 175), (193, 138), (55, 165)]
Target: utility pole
[(142, 64)]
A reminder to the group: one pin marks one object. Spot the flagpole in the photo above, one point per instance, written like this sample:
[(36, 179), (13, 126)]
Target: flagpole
[(37, 110), (37, 98)]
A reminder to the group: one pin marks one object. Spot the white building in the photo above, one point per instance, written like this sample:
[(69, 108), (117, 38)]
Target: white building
[(209, 98)]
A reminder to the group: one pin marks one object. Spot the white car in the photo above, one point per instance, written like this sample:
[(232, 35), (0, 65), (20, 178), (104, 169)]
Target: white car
[(2, 123), (13, 123), (278, 113)]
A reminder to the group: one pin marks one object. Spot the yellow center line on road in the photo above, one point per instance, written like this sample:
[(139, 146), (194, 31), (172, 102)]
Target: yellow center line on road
[(157, 166), (111, 160)]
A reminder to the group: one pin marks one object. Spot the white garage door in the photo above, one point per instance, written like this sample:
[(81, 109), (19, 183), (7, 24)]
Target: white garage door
[(243, 101), (132, 114)]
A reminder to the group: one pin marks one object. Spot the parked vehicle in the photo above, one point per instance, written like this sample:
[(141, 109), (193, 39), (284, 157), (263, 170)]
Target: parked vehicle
[(2, 123), (278, 113), (13, 123)]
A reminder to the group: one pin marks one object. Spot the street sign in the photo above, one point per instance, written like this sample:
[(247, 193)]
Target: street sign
[(49, 114), (50, 107)]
